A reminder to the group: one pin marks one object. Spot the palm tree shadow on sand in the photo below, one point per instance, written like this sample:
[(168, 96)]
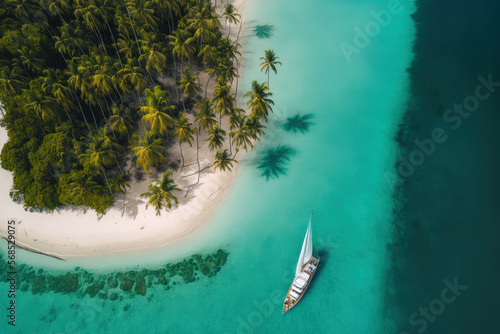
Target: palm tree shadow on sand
[(275, 161), (298, 123), (263, 31)]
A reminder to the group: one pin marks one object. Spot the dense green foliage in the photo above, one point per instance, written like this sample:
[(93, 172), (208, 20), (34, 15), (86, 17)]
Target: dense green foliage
[(85, 87)]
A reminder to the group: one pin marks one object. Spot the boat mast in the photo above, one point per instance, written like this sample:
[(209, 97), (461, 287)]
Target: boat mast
[(306, 251)]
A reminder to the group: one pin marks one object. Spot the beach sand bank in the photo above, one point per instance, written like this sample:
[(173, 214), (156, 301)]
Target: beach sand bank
[(127, 226)]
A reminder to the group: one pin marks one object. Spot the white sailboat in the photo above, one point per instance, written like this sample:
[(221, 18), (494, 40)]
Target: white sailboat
[(304, 272)]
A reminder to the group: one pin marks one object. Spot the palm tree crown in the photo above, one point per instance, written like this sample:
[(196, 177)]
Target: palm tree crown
[(223, 161), (269, 61), (259, 102)]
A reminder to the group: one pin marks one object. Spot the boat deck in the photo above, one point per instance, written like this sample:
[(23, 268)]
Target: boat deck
[(310, 269)]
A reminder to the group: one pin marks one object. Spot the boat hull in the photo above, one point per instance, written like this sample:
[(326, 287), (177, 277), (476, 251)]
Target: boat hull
[(290, 302)]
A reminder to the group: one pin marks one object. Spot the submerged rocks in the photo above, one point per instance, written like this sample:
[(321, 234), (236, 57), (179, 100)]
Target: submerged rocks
[(140, 287), (116, 286), (127, 284), (112, 283), (131, 274), (64, 284), (39, 285), (92, 290)]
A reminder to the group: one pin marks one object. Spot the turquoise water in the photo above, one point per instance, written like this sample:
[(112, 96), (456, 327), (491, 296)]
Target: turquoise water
[(337, 169)]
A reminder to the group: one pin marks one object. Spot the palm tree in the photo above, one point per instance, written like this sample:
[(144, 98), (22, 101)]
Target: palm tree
[(208, 54), (134, 77), (126, 47), (71, 40), (154, 57), (105, 10), (24, 9), (235, 120), (163, 7), (205, 25), (142, 12), (148, 150), (81, 189), (223, 99), (182, 48), (227, 70), (30, 61), (76, 81), (155, 110), (167, 183), (100, 153), (205, 116), (160, 193), (241, 136), (56, 7), (88, 11), (190, 84), (122, 21), (228, 50), (184, 132), (53, 84), (11, 81), (230, 15), (223, 161), (254, 127), (102, 83), (38, 103), (118, 184), (259, 102), (119, 122), (212, 70), (216, 139), (269, 61)]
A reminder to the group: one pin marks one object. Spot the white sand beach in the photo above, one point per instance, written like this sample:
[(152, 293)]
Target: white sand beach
[(127, 226)]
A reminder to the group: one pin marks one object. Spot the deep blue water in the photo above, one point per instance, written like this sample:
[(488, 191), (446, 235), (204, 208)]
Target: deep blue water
[(449, 218)]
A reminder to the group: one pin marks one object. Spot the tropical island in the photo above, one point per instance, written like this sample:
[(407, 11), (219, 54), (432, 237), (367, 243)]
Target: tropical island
[(100, 95), (99, 83)]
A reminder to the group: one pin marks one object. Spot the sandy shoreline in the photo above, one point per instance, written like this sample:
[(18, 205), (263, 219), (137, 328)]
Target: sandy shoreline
[(127, 226)]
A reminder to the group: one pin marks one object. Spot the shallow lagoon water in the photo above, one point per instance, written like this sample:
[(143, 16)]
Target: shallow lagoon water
[(337, 168)]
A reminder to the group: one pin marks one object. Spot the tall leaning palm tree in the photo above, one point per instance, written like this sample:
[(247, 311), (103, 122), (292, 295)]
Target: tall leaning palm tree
[(241, 136), (223, 99), (259, 102), (190, 83), (223, 161), (216, 139), (230, 15), (156, 111), (182, 48), (184, 132), (269, 62), (254, 127), (100, 153), (205, 116)]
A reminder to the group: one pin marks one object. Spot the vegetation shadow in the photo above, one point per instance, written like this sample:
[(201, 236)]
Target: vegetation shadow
[(275, 161), (263, 31), (298, 123)]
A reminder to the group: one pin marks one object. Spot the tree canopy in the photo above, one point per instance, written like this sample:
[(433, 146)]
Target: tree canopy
[(85, 88)]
